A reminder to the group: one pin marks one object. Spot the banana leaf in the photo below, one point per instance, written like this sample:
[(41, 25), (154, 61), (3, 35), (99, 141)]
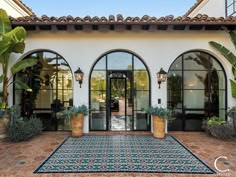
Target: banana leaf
[(233, 88), (4, 46), (21, 85), (5, 24), (233, 37), (224, 51), (18, 34), (13, 41), (22, 64)]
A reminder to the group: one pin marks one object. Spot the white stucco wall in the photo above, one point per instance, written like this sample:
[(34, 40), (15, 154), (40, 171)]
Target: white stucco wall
[(213, 8), (157, 50), (12, 8)]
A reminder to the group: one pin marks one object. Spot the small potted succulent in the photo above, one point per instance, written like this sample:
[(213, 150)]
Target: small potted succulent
[(159, 117), (76, 115)]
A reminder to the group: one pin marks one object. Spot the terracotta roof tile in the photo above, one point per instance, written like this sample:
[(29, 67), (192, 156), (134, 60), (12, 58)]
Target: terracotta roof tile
[(199, 19), (193, 7)]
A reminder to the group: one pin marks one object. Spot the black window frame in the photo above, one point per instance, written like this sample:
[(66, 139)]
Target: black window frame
[(229, 5)]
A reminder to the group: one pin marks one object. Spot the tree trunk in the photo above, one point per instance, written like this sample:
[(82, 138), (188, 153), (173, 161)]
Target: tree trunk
[(5, 92)]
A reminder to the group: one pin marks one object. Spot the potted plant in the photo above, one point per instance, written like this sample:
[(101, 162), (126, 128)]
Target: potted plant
[(232, 115), (159, 117), (76, 115)]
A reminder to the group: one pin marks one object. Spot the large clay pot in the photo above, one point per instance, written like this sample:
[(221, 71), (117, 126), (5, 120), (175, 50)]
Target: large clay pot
[(77, 125), (158, 127)]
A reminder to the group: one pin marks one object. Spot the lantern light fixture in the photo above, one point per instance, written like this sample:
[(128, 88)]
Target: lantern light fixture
[(79, 76), (161, 77)]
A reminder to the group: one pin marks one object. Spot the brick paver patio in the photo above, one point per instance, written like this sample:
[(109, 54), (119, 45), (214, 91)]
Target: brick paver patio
[(20, 159)]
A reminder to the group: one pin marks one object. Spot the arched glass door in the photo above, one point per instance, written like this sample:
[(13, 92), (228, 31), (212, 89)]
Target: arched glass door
[(196, 90), (51, 82), (119, 93)]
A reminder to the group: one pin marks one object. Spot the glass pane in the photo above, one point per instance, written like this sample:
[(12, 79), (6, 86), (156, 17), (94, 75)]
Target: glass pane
[(196, 61), (141, 100), (216, 65), (229, 2), (174, 98), (230, 10), (222, 98), (44, 99), (48, 78), (177, 65), (98, 80), (194, 98), (193, 120), (63, 66), (141, 81), (222, 113), (98, 121), (174, 80), (98, 99), (220, 83), (195, 79), (117, 104), (101, 64), (18, 96), (129, 123), (140, 120), (138, 64), (49, 60), (119, 60)]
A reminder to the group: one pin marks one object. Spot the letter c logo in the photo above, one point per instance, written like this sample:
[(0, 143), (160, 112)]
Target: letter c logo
[(222, 171)]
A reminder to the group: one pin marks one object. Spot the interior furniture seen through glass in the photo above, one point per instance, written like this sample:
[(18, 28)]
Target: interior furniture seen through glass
[(196, 90), (51, 82), (119, 93)]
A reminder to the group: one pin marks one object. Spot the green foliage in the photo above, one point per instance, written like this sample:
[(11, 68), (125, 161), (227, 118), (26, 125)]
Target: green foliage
[(24, 129), (159, 111), (5, 25), (11, 41), (233, 88), (19, 128), (215, 121), (232, 112), (218, 128), (74, 111), (229, 56)]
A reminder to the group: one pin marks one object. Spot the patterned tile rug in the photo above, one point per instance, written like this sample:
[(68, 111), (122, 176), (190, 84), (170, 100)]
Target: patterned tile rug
[(121, 153)]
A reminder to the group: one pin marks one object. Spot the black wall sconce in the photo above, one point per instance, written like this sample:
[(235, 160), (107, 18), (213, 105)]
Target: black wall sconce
[(161, 77), (79, 76)]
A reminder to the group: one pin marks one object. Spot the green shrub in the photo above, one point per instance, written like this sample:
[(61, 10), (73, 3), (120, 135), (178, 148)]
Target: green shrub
[(218, 128), (74, 111), (23, 130), (20, 129), (215, 121), (223, 131), (159, 111)]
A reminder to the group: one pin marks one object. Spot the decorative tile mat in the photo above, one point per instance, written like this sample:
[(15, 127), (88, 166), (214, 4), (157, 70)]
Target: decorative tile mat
[(121, 153)]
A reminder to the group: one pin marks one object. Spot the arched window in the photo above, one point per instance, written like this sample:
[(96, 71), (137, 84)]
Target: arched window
[(51, 82), (196, 90), (119, 93)]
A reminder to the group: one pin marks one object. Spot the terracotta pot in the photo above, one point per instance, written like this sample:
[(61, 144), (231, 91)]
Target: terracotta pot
[(158, 127), (77, 125)]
